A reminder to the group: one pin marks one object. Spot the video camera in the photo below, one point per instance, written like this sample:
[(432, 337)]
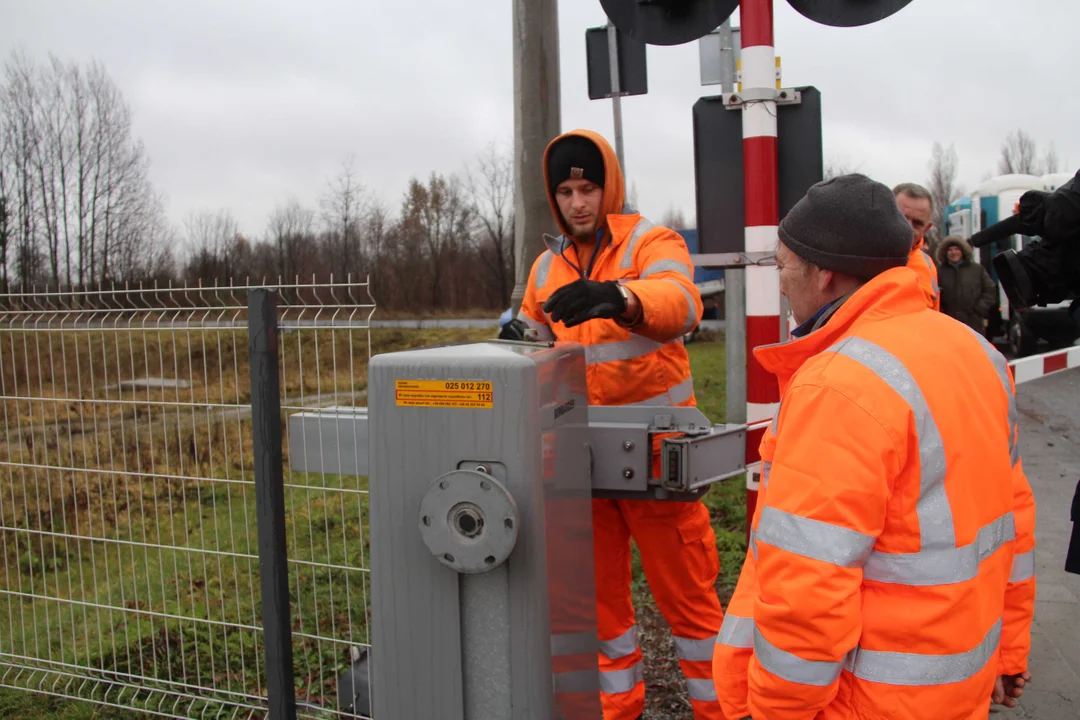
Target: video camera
[(1048, 270)]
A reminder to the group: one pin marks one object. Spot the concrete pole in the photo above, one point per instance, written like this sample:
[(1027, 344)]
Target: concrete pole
[(537, 116)]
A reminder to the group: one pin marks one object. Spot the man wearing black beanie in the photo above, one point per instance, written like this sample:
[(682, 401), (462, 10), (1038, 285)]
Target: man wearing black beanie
[(891, 570), (623, 288)]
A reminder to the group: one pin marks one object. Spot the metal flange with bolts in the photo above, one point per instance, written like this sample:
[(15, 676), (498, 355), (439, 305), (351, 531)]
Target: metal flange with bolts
[(469, 521)]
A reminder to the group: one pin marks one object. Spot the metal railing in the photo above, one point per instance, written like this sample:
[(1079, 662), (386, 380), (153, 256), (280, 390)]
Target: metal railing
[(132, 564)]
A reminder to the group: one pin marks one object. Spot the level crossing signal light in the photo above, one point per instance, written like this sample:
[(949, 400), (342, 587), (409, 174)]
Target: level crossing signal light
[(674, 22)]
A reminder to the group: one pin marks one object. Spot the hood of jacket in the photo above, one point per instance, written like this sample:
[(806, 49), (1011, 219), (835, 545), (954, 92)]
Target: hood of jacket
[(942, 251), (614, 185)]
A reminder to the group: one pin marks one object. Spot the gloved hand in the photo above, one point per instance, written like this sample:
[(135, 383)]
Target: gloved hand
[(513, 330), (584, 300)]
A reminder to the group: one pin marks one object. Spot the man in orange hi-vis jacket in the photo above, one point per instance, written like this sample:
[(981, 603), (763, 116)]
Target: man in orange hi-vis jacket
[(624, 289), (891, 570), (917, 204)]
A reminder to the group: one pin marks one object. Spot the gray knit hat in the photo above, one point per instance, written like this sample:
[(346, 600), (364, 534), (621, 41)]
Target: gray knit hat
[(849, 224)]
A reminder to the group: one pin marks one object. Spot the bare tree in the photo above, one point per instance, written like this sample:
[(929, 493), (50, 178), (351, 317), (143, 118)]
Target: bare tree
[(1051, 163), (435, 221), (217, 250), (835, 168), (343, 207), (80, 204), (1019, 155), (944, 165), (673, 218), (291, 235), (491, 190)]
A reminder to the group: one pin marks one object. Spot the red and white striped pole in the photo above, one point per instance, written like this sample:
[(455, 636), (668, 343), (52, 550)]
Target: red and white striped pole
[(758, 73)]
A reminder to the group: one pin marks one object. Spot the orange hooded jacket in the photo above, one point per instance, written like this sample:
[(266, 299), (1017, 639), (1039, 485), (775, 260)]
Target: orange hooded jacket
[(920, 261), (891, 571), (654, 263)]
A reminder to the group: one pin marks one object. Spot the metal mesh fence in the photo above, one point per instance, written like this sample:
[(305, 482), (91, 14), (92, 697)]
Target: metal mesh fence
[(127, 515)]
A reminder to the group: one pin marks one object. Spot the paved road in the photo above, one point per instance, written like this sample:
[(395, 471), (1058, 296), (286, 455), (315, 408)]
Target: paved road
[(1050, 443)]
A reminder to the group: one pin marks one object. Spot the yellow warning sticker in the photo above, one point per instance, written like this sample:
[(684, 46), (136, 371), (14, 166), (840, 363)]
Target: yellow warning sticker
[(444, 393)]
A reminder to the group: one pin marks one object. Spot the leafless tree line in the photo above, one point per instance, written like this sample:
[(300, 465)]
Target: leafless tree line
[(450, 246), (76, 204), (77, 210)]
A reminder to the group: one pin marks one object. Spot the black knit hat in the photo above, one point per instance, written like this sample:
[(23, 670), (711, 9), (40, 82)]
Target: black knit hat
[(575, 157), (848, 224)]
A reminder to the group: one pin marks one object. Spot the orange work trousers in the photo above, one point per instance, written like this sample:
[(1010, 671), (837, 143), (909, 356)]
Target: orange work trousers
[(678, 554)]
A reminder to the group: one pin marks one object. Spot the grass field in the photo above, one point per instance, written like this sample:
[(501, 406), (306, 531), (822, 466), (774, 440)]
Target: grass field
[(185, 614)]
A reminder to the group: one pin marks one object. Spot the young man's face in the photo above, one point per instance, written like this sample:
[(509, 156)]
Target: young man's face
[(918, 212), (579, 202)]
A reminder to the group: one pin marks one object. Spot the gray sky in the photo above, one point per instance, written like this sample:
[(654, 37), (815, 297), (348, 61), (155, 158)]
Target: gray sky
[(245, 103)]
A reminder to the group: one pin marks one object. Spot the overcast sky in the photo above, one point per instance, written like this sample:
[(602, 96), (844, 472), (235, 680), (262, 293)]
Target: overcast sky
[(245, 103)]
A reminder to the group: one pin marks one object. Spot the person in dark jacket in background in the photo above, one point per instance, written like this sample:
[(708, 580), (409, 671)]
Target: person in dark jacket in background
[(967, 292)]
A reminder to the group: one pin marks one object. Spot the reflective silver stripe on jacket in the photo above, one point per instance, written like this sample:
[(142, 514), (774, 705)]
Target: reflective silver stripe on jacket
[(894, 668), (675, 395), (813, 538), (933, 274), (667, 266), (942, 566), (643, 226), (621, 646), (614, 682), (1023, 567), (634, 347), (736, 632), (543, 332), (1001, 366), (915, 669), (542, 269), (935, 516), (691, 314), (819, 673)]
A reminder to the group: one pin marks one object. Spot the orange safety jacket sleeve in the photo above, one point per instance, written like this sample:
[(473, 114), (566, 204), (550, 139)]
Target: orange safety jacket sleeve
[(1020, 592), (531, 313), (670, 302), (735, 644), (824, 508)]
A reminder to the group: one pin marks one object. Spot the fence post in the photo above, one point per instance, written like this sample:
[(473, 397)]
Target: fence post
[(270, 502)]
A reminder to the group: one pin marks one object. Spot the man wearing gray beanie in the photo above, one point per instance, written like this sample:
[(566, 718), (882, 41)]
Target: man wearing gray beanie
[(894, 527)]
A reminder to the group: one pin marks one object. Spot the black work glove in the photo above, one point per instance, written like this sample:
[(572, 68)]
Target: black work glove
[(513, 330), (584, 300)]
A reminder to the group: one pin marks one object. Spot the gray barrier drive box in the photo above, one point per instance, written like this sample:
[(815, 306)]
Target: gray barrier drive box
[(482, 460)]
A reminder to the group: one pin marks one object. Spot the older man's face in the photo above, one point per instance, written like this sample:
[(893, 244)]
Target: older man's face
[(799, 284), (918, 213)]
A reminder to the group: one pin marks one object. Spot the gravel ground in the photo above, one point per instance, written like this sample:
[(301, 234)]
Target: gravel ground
[(665, 689)]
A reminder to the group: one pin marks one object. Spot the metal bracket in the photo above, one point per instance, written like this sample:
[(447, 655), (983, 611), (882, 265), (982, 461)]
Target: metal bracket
[(689, 463), (621, 444), (469, 521), (783, 96)]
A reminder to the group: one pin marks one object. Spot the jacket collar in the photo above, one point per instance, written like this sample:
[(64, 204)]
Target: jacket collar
[(892, 293)]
